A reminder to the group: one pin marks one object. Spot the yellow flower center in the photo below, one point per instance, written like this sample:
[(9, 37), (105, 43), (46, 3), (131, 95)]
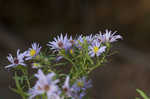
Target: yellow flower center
[(71, 51), (35, 64), (95, 49), (32, 52), (80, 84)]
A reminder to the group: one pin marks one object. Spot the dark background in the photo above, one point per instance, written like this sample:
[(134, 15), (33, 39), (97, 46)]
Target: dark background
[(25, 21)]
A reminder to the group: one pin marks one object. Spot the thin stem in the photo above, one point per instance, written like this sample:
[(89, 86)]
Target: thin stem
[(44, 96), (19, 89), (23, 97), (25, 72), (28, 82)]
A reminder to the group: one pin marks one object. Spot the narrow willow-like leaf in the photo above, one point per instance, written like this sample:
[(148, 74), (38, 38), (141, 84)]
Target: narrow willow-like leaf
[(142, 94), (137, 98)]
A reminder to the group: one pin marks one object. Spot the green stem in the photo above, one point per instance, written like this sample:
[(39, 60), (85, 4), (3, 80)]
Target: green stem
[(23, 97), (74, 67), (19, 89), (28, 82), (69, 60), (25, 72), (44, 96)]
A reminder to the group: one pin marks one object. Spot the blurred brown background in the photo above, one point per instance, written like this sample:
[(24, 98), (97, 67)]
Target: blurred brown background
[(25, 21)]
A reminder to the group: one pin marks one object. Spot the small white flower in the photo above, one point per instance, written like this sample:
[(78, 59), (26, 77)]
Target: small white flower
[(34, 51), (45, 84), (36, 65), (60, 43), (19, 60), (108, 37), (96, 49)]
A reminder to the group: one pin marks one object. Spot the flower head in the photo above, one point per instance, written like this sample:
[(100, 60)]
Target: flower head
[(96, 49), (34, 51), (36, 65), (108, 37), (19, 60), (71, 41), (66, 87), (45, 84), (100, 37), (82, 84), (81, 40), (89, 39), (80, 87), (60, 43)]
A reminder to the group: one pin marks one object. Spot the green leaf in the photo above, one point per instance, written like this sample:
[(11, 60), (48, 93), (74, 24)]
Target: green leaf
[(17, 81), (137, 98), (20, 67), (142, 94), (15, 90), (89, 58), (19, 89), (60, 64)]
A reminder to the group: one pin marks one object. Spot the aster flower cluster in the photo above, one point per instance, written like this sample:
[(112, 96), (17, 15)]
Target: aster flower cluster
[(46, 84), (96, 43), (31, 53), (62, 71)]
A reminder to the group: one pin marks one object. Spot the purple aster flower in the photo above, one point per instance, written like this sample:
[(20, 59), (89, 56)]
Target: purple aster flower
[(72, 41), (79, 41), (66, 87), (60, 43), (89, 38), (96, 49), (79, 88), (108, 37), (33, 52), (19, 60), (45, 84), (81, 38)]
